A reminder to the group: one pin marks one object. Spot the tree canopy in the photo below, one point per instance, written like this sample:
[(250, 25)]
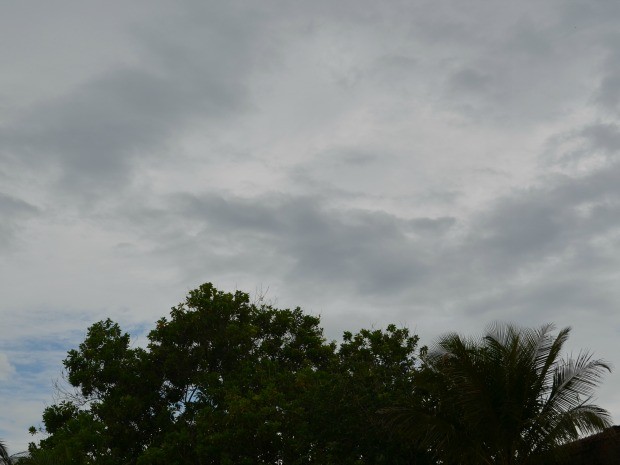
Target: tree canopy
[(225, 381)]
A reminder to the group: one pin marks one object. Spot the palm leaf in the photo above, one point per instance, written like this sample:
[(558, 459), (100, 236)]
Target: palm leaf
[(4, 453), (506, 397)]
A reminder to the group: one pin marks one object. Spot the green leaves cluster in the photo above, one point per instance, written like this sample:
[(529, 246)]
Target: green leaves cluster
[(225, 381)]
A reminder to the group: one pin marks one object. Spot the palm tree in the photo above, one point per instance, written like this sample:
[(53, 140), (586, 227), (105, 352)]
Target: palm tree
[(506, 398), (4, 453)]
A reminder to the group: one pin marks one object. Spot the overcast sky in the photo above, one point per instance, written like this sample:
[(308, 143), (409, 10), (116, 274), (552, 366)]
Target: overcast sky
[(437, 164)]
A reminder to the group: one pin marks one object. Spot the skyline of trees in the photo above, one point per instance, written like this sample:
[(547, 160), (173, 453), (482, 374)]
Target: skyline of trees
[(223, 380)]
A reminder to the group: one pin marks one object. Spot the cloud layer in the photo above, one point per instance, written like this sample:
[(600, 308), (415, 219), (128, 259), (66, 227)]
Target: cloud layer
[(429, 163)]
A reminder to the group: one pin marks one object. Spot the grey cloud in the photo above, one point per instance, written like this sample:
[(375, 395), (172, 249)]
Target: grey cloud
[(523, 227), (301, 240), (93, 134), (560, 228), (437, 196), (14, 212), (589, 15), (393, 66), (596, 24), (14, 207), (546, 252), (607, 94), (96, 134), (597, 140), (523, 252), (559, 298), (330, 172), (470, 81), (95, 137), (6, 369), (548, 220), (340, 159), (432, 225), (517, 66), (603, 136), (356, 157)]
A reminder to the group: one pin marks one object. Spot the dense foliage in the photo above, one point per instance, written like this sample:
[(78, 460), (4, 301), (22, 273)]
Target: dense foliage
[(505, 398), (225, 381)]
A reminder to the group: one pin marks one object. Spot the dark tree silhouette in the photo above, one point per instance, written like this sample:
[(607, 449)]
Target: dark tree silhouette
[(506, 398)]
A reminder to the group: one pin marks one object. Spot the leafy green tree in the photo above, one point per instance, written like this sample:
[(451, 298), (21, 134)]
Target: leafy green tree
[(506, 398), (219, 382), (372, 370), (118, 410), (225, 381), (233, 374)]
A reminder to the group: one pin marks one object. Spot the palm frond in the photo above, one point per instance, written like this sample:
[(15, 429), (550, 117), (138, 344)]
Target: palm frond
[(574, 382), (4, 453), (507, 396)]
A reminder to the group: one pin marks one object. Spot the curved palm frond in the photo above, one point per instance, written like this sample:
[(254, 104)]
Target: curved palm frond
[(506, 397), (4, 453)]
